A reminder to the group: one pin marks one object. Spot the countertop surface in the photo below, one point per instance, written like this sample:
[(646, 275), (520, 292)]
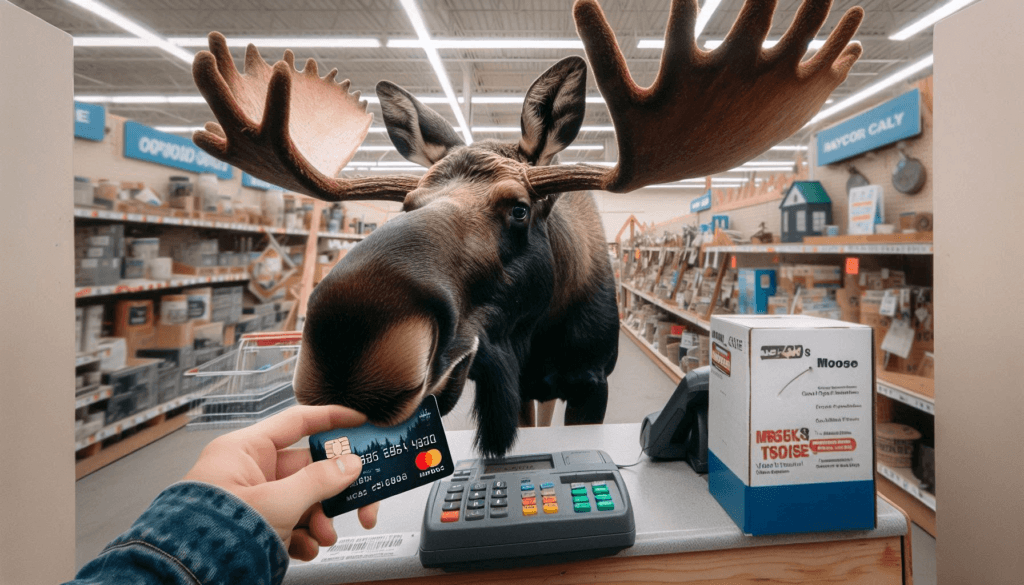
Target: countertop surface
[(672, 507)]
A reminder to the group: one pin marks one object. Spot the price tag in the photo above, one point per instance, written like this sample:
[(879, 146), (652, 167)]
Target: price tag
[(888, 308)]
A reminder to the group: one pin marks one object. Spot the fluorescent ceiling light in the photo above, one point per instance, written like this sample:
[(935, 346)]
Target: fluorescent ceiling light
[(178, 129), (112, 42), (413, 12), (705, 15), (789, 147), (374, 148), (120, 20), (871, 90), (485, 43), (283, 42), (141, 99), (585, 147), (929, 19), (712, 44), (502, 99)]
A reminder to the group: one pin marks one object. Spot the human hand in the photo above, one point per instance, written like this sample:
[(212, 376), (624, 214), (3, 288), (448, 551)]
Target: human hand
[(284, 485)]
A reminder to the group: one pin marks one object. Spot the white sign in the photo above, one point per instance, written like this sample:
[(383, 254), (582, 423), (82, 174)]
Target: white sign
[(866, 209)]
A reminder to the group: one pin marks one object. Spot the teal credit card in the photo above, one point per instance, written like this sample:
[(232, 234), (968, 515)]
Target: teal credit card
[(395, 459)]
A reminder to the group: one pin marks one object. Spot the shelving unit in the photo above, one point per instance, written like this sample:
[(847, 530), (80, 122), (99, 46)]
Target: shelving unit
[(135, 420), (156, 219), (126, 287), (908, 397), (688, 316), (670, 369), (909, 249)]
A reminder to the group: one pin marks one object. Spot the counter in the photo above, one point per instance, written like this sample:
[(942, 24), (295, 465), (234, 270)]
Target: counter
[(679, 528)]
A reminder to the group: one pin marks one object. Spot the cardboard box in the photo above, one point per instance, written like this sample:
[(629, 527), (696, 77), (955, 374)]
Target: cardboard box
[(113, 353), (174, 336), (200, 303), (133, 317), (208, 334), (92, 327), (229, 335), (791, 423)]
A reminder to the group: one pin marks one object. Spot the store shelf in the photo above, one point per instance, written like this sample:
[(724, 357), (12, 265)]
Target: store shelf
[(913, 249), (342, 236), (102, 393), (143, 285), (905, 480), (135, 420), (86, 358), (87, 213), (155, 429), (688, 316), (908, 397), (671, 370)]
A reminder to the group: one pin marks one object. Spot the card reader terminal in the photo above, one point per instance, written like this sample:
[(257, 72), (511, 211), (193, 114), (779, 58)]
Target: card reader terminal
[(550, 507)]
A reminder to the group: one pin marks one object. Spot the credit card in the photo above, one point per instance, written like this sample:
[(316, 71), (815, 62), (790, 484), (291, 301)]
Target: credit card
[(395, 459)]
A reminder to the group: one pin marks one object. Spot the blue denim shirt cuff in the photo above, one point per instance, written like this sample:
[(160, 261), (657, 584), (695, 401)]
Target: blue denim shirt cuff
[(212, 535)]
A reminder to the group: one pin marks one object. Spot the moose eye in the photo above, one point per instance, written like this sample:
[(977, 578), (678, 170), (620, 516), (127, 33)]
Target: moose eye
[(519, 212)]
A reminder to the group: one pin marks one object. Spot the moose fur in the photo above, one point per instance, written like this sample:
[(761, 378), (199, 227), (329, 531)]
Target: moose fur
[(497, 272), (523, 307)]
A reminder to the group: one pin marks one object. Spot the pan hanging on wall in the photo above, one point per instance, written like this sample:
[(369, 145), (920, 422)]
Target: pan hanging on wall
[(909, 175)]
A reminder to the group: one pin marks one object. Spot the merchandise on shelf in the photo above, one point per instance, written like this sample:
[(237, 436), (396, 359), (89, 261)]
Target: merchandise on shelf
[(99, 251)]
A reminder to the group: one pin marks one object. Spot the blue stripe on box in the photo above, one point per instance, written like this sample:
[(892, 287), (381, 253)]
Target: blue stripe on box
[(811, 507)]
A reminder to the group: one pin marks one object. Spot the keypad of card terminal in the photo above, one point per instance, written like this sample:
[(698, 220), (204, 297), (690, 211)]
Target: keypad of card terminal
[(576, 498), (488, 497)]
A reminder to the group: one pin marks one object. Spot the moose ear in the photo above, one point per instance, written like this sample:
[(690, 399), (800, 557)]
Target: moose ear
[(420, 134), (553, 110)]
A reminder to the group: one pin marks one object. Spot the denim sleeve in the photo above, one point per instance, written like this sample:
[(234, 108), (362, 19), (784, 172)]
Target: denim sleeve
[(192, 533)]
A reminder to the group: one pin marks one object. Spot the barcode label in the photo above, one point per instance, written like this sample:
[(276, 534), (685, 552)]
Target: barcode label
[(371, 547), (371, 543)]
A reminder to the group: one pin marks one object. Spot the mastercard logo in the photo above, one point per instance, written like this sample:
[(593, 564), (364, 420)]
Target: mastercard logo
[(428, 459)]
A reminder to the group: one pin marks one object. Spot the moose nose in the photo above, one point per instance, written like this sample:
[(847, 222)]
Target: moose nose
[(372, 332)]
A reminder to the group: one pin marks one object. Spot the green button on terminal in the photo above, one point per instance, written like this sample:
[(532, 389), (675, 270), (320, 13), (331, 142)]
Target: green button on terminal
[(581, 506), (603, 497), (605, 505), (600, 489), (579, 491), (580, 500)]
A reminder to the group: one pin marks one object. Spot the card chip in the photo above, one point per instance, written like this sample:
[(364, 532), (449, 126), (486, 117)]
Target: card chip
[(337, 447)]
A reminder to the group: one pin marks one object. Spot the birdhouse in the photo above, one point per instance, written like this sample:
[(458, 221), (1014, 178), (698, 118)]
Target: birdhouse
[(806, 210)]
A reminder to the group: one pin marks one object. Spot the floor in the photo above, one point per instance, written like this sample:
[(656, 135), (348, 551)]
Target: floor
[(109, 500)]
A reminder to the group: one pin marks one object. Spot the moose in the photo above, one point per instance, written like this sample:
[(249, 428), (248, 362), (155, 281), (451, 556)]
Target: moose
[(497, 271)]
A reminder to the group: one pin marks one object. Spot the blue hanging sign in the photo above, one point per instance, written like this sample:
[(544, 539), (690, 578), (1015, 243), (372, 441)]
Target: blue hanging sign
[(701, 203), (145, 143), (90, 121), (251, 181), (890, 122)]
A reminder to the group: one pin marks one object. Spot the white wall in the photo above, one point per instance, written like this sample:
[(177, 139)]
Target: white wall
[(979, 208), (37, 309), (648, 205)]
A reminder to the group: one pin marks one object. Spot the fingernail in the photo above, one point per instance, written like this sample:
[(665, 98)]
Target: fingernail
[(341, 464)]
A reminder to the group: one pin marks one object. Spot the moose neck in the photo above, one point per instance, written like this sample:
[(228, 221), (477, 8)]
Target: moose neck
[(579, 253)]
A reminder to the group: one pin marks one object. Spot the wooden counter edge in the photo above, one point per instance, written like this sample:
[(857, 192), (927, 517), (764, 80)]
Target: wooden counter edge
[(908, 550), (869, 561)]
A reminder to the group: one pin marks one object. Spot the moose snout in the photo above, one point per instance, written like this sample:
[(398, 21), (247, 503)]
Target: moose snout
[(376, 332)]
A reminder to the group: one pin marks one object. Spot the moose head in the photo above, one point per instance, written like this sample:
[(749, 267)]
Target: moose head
[(498, 271)]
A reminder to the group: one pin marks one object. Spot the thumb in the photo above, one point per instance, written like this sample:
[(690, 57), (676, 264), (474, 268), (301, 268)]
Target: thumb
[(317, 481)]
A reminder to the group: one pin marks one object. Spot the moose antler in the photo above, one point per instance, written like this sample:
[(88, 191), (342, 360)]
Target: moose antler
[(291, 128), (706, 112)]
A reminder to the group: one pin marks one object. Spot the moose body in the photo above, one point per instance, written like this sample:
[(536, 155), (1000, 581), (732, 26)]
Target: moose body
[(497, 271)]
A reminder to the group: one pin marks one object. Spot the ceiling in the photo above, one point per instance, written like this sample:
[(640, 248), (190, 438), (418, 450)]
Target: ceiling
[(107, 71)]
